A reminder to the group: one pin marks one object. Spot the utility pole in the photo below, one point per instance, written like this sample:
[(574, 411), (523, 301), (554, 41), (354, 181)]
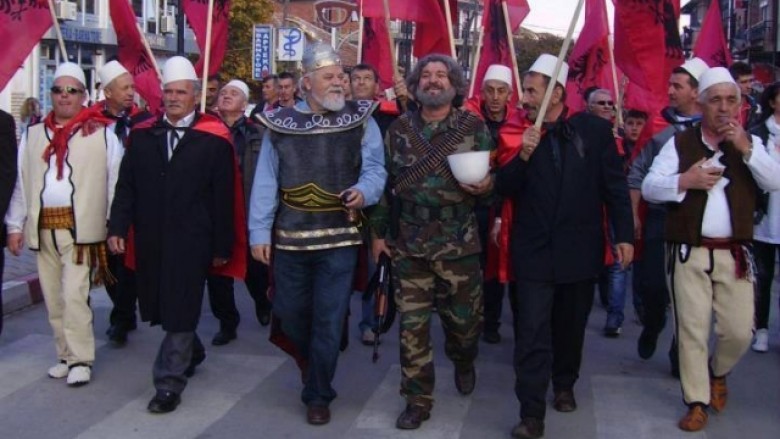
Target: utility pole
[(180, 29)]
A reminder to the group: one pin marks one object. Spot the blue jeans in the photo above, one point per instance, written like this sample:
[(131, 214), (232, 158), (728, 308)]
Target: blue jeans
[(312, 297), (618, 283)]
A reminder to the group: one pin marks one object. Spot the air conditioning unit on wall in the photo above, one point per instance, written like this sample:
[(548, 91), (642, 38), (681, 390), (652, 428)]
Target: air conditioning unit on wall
[(168, 24), (65, 10)]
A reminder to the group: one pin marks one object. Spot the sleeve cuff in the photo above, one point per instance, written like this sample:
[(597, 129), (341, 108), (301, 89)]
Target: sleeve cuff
[(259, 237)]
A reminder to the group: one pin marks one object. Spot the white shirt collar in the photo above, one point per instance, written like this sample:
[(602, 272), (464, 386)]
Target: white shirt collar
[(184, 122)]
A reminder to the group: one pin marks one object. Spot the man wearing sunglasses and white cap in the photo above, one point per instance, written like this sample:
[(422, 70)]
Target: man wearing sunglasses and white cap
[(67, 171), (709, 176)]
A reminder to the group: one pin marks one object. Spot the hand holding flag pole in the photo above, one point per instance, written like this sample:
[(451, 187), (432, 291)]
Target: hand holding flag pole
[(58, 31), (207, 56), (554, 79)]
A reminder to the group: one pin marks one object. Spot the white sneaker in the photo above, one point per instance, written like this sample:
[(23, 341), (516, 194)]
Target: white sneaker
[(79, 375), (761, 341), (59, 370)]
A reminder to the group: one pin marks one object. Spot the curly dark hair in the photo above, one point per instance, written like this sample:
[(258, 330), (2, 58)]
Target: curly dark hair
[(767, 98), (454, 73)]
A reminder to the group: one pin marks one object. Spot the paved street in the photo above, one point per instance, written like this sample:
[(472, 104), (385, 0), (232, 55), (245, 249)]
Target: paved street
[(249, 389)]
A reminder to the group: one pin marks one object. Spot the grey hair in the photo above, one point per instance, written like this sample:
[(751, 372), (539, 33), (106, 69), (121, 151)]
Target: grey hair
[(704, 95), (454, 73), (592, 95)]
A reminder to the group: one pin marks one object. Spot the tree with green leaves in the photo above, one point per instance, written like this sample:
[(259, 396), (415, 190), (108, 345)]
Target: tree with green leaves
[(244, 14)]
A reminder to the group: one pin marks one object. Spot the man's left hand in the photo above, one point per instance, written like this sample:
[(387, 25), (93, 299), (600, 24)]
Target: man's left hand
[(483, 187), (732, 131), (625, 254), (354, 198)]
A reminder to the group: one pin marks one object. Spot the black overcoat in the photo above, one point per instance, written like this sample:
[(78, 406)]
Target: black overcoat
[(557, 231), (182, 216)]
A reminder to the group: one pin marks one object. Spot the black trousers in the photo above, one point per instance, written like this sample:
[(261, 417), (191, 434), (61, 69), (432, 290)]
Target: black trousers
[(650, 273), (550, 331), (2, 269), (257, 279), (494, 300), (176, 352), (123, 294), (222, 297), (764, 255)]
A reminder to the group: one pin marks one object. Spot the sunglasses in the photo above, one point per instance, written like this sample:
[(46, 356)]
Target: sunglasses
[(57, 90), (605, 103)]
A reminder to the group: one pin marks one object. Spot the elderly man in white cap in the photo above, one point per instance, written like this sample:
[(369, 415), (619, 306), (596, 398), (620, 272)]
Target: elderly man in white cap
[(247, 137), (320, 162), (709, 176), (176, 189), (119, 105), (67, 171), (564, 175), (649, 272), (503, 121)]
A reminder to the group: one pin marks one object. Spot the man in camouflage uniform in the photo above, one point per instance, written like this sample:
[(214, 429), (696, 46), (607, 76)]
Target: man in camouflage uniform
[(432, 233)]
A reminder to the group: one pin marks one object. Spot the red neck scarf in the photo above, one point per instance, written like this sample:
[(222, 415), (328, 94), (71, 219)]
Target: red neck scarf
[(88, 121)]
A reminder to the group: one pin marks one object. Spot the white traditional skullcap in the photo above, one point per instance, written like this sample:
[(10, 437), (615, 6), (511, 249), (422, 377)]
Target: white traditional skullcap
[(695, 67), (178, 68), (240, 85), (111, 71), (545, 65), (714, 76), (71, 69), (498, 72)]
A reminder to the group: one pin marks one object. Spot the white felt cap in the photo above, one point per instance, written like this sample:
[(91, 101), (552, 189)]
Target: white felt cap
[(545, 65), (695, 67), (70, 69), (498, 72), (178, 68), (111, 71), (240, 85), (714, 76)]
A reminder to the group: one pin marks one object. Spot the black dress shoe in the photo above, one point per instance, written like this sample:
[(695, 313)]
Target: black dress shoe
[(465, 380), (223, 337), (646, 344), (491, 337), (564, 401), (117, 336), (264, 316), (412, 417), (197, 358), (317, 414), (528, 428), (164, 402)]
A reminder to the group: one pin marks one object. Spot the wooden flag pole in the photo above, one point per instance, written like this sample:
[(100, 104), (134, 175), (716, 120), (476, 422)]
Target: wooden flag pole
[(58, 31), (149, 53), (396, 74), (513, 56), (475, 63), (618, 95), (448, 13), (207, 56), (361, 30), (554, 78)]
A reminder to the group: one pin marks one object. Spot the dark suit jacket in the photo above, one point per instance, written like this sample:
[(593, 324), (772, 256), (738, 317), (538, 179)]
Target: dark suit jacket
[(8, 166), (557, 232)]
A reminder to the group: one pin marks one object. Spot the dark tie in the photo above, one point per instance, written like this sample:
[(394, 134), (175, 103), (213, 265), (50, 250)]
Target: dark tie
[(173, 142)]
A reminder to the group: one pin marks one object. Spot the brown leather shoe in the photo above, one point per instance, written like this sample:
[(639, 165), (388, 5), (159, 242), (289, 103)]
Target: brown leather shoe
[(528, 428), (317, 414), (564, 401), (694, 420), (719, 393), (412, 417), (465, 380)]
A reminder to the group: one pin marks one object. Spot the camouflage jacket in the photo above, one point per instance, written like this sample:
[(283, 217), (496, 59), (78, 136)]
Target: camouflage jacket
[(429, 238)]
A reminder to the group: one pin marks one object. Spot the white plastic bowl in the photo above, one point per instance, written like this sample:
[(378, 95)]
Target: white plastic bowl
[(470, 167)]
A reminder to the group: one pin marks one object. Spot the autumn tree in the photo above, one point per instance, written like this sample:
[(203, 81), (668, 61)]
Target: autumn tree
[(244, 14), (529, 45)]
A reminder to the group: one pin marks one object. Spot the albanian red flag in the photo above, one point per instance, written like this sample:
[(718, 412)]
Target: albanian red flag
[(711, 43), (197, 14), (133, 56), (22, 25), (589, 62), (376, 50), (431, 36), (495, 43), (408, 10)]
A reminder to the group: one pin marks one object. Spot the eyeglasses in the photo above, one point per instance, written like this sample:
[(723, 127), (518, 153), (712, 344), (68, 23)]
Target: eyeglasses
[(67, 89), (605, 103)]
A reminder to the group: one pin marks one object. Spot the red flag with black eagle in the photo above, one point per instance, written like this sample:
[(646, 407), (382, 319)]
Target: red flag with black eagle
[(495, 43), (376, 50), (197, 16), (589, 62), (711, 44), (432, 36), (132, 54), (22, 25)]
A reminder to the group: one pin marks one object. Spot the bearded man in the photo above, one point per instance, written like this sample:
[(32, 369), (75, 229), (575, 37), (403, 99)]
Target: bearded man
[(320, 162)]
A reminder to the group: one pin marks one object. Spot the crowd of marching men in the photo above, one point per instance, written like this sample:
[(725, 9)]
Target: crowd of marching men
[(327, 176)]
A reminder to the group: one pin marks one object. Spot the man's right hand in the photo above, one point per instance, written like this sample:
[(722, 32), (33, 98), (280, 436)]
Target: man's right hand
[(697, 177), (262, 253), (379, 246), (15, 242), (531, 138), (116, 245)]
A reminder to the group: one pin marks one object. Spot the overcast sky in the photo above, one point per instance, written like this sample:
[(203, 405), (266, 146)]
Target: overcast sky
[(554, 16)]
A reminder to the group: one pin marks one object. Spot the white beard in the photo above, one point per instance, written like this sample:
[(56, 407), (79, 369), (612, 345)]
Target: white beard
[(330, 102)]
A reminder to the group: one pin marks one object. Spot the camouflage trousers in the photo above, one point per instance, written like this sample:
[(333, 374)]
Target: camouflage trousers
[(454, 287)]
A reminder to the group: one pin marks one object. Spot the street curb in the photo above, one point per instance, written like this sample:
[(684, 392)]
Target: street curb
[(21, 293)]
